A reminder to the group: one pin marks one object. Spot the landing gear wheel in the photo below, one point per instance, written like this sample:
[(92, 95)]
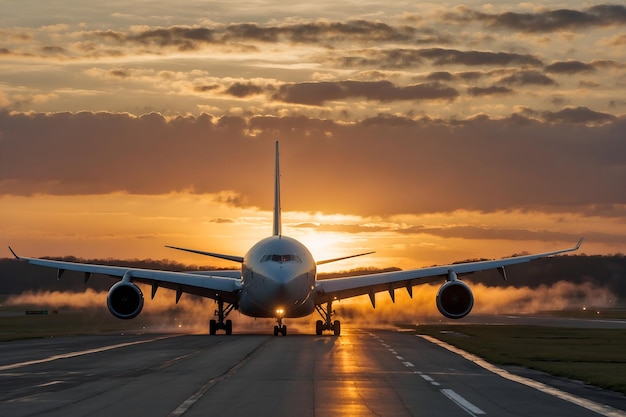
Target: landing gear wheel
[(337, 328), (280, 329), (326, 324), (222, 312)]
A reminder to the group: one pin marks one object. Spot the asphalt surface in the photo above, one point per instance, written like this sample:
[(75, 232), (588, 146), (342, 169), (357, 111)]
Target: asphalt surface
[(361, 373)]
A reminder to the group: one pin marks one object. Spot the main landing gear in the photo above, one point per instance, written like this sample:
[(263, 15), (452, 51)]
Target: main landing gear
[(220, 324), (327, 313)]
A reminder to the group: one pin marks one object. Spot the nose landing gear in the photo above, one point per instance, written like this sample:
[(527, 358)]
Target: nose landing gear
[(280, 327)]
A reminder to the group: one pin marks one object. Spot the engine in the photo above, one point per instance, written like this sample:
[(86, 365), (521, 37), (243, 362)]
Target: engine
[(125, 300), (455, 299)]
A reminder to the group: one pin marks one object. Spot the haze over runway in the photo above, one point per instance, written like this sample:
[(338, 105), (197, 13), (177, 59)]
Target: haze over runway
[(360, 373)]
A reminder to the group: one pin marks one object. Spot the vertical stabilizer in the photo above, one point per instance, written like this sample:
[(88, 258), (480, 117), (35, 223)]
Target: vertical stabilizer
[(277, 222)]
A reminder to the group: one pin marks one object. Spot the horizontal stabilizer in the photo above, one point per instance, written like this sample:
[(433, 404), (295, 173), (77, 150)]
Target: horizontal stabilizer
[(327, 261), (214, 255)]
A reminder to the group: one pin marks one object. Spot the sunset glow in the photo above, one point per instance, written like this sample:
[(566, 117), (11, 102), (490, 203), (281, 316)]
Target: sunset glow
[(426, 132)]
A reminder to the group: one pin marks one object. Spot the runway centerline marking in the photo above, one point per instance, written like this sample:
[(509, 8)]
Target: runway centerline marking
[(196, 396), (80, 353), (467, 406)]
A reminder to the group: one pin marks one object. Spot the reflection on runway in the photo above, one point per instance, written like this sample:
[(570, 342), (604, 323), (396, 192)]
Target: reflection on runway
[(361, 373)]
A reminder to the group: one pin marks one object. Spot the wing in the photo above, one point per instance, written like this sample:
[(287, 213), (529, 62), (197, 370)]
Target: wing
[(338, 288), (210, 286)]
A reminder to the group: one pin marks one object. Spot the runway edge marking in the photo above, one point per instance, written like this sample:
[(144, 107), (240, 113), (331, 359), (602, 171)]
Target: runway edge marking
[(80, 353), (602, 409)]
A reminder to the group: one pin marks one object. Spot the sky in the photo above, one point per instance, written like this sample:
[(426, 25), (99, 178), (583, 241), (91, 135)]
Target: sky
[(427, 132)]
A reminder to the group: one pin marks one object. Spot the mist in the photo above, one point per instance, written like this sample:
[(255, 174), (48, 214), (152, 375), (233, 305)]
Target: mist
[(193, 313)]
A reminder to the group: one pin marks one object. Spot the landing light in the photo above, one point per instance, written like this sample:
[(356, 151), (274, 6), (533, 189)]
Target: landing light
[(280, 311)]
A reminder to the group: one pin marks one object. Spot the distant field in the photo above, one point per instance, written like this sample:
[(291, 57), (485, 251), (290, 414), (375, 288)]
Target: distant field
[(590, 313), (595, 356), (17, 325)]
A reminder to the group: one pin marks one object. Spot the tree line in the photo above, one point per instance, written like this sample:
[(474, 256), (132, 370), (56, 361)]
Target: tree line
[(607, 271)]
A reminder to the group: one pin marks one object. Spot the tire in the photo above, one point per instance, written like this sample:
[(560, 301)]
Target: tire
[(319, 327), (229, 327), (337, 328), (212, 327), (275, 330), (284, 330)]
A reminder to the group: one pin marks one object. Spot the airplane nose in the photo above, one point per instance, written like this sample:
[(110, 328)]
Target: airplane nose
[(284, 286)]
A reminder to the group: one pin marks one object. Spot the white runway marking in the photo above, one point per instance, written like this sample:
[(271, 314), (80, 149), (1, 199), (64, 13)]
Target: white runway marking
[(79, 353), (601, 409), (470, 408)]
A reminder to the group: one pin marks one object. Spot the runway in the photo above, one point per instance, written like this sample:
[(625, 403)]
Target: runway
[(361, 373)]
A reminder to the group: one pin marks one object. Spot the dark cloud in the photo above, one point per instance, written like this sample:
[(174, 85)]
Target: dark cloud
[(440, 76), (314, 32), (568, 159), (569, 67), (527, 78), (317, 93), (244, 89), (182, 38), (206, 88), (191, 38), (578, 115), (120, 73), (53, 50), (488, 91), (451, 56), (407, 58), (550, 20)]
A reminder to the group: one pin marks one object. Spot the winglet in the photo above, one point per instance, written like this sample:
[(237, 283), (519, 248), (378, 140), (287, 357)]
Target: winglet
[(14, 254), (580, 242), (277, 220)]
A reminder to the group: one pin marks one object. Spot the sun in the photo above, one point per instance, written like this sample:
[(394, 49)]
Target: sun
[(330, 245)]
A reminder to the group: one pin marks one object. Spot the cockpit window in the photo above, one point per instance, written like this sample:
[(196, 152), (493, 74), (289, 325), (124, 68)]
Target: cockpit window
[(281, 258)]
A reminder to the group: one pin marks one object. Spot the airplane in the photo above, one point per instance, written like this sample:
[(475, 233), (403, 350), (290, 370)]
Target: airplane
[(278, 279)]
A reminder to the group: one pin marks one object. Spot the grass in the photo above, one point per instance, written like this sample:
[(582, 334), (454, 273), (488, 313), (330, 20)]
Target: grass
[(22, 326), (595, 356)]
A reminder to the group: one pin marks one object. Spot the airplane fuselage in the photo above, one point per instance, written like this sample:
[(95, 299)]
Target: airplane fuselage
[(278, 277)]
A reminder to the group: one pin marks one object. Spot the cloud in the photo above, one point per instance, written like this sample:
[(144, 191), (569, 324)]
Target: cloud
[(489, 91), (569, 67), (244, 89), (578, 115), (547, 21), (316, 93), (407, 58), (450, 56), (566, 158), (527, 78), (183, 38), (320, 31)]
